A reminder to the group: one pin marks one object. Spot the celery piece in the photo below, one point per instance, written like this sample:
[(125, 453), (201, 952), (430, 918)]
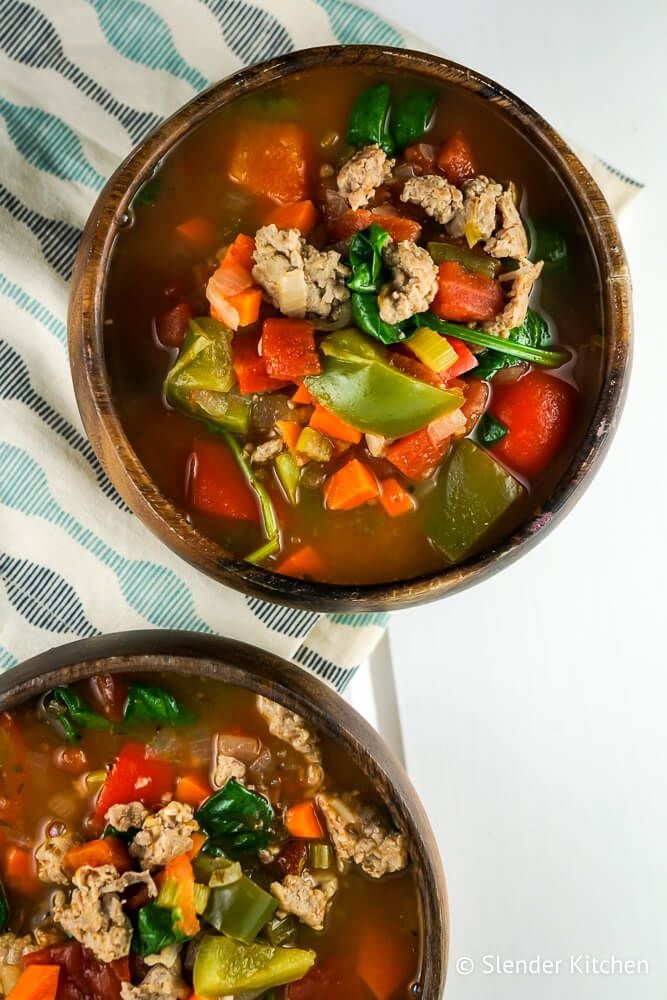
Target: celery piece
[(472, 492), (281, 930), (226, 409), (433, 350), (319, 856), (289, 474), (226, 966), (201, 895), (170, 894), (240, 909), (314, 446), (476, 262)]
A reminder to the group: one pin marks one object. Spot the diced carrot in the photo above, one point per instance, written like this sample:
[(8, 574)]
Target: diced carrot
[(198, 841), (302, 820), (37, 982), (463, 296), (301, 215), (271, 158), (250, 366), (351, 486), (302, 396), (216, 485), (455, 159), (192, 789), (351, 222), (303, 562), (180, 870), (290, 431), (328, 423), (385, 959), (422, 155), (466, 359), (417, 455), (247, 305), (198, 231), (395, 500), (105, 851), (288, 348), (172, 325), (241, 252), (20, 870)]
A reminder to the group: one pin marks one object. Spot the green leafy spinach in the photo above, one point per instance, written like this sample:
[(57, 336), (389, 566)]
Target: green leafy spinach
[(149, 703), (156, 929), (490, 430), (71, 713), (236, 820), (533, 332)]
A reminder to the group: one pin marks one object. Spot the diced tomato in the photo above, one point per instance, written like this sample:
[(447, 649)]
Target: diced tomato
[(135, 777), (455, 159), (301, 215), (333, 979), (250, 366), (172, 325), (539, 412), (110, 693), (351, 222), (466, 359), (288, 348), (240, 252), (398, 226), (463, 296), (302, 562), (417, 456), (82, 976), (216, 484), (422, 155), (271, 158)]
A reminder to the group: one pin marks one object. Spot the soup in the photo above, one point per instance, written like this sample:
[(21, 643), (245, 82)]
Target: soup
[(165, 836), (318, 330)]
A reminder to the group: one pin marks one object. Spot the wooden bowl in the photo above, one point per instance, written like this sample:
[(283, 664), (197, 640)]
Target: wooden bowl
[(106, 433), (245, 666)]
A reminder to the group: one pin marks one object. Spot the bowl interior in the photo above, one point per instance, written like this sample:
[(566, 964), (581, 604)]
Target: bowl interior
[(105, 425), (245, 666)]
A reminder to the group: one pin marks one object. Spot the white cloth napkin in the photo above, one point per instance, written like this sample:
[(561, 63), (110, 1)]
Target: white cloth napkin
[(81, 82)]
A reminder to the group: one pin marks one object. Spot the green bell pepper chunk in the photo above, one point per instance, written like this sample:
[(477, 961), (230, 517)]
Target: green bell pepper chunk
[(473, 491), (360, 386), (288, 473), (368, 119), (411, 116), (224, 966), (240, 909), (200, 379), (476, 262)]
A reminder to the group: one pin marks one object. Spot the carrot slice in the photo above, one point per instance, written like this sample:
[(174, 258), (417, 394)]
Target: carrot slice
[(197, 231), (304, 562), (351, 486), (395, 500), (302, 820), (37, 982), (247, 305), (301, 215), (180, 870), (328, 423), (105, 851), (302, 396), (455, 159), (192, 789), (241, 252), (198, 841), (271, 158)]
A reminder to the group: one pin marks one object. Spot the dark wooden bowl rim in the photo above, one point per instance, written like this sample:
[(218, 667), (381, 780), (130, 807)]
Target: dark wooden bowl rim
[(243, 665), (106, 433)]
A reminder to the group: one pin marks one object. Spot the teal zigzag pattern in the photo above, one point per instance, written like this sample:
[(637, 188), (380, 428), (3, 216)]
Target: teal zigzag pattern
[(379, 618), (353, 25), (7, 659), (34, 308), (154, 591)]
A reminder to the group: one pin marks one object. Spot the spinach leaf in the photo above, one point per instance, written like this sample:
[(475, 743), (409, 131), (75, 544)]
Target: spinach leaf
[(533, 332), (236, 820), (126, 835), (412, 114), (366, 259), (148, 192), (366, 314), (149, 703), (368, 119), (71, 713), (4, 909), (155, 929), (547, 242), (490, 430)]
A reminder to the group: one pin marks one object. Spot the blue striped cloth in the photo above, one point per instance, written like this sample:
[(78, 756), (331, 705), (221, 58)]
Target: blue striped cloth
[(82, 82)]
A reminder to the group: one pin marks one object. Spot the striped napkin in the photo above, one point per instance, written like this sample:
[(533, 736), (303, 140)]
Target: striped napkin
[(81, 82)]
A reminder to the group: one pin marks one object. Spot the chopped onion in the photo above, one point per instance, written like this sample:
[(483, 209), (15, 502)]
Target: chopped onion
[(334, 204), (404, 171), (377, 445), (445, 426), (505, 376), (292, 294), (244, 748)]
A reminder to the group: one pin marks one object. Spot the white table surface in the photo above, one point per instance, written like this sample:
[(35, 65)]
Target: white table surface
[(532, 707)]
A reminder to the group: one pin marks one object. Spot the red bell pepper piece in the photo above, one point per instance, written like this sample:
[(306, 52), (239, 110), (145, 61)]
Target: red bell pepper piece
[(135, 777), (539, 412), (250, 366), (82, 976), (466, 359), (456, 159), (216, 484), (417, 456), (288, 348), (463, 296)]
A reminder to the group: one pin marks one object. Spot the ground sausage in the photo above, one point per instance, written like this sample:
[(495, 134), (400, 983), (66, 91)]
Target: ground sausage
[(359, 834), (435, 195), (94, 915), (165, 835), (520, 284), (126, 816), (160, 983), (50, 856), (305, 897), (225, 768), (476, 219), (362, 174), (13, 948), (292, 729), (414, 281), (510, 239)]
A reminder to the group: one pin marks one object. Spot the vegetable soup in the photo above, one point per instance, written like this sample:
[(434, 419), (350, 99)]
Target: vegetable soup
[(176, 837), (353, 327)]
